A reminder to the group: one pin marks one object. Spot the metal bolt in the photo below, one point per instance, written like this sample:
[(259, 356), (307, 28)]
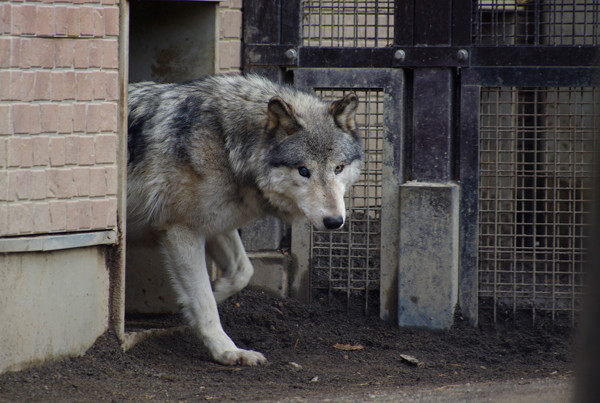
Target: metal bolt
[(291, 54), (400, 55), (462, 55)]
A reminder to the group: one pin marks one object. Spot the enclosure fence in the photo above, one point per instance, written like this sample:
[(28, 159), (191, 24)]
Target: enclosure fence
[(345, 263), (536, 154), (348, 23)]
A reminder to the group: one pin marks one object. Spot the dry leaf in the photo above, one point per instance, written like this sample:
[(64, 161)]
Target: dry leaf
[(348, 347)]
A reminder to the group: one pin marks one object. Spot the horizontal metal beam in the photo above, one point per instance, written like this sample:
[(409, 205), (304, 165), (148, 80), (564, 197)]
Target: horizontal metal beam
[(531, 76), (45, 243)]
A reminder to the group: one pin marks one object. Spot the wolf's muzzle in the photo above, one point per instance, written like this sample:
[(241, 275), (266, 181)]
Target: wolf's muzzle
[(333, 222)]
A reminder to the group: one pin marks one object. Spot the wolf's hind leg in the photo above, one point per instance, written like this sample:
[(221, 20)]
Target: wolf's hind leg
[(184, 250), (228, 252)]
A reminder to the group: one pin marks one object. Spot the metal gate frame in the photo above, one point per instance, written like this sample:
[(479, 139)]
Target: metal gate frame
[(434, 44), (391, 82)]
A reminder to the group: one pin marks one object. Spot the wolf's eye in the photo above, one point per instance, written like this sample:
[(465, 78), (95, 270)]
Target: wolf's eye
[(303, 171), (339, 169)]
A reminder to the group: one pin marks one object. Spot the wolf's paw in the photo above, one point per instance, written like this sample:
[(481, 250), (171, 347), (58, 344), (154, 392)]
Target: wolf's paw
[(241, 357)]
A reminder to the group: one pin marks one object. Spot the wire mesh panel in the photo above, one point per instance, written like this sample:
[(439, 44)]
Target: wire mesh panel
[(348, 23), (536, 158), (345, 263), (534, 22)]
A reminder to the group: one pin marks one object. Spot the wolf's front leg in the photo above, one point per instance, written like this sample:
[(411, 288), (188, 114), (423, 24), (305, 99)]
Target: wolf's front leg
[(228, 252), (184, 249)]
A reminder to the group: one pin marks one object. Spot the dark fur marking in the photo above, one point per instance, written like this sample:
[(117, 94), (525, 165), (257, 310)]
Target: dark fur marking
[(184, 119)]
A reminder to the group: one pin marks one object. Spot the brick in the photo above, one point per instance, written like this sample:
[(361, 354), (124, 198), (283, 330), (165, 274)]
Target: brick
[(3, 219), (3, 156), (100, 210), (229, 54), (93, 118), (84, 214), (19, 185), (41, 147), (95, 53), (81, 54), (19, 152), (22, 50), (27, 86), (85, 85), (106, 149), (6, 85), (69, 85), (38, 184), (73, 210), (86, 21), (60, 183), (21, 218), (42, 90), (86, 150), (81, 179), (42, 53), (72, 150), (26, 118), (112, 85), (111, 21), (5, 120), (3, 185), (112, 180), (5, 44), (23, 19), (6, 18), (45, 25), (58, 215), (110, 55), (49, 117), (97, 181), (64, 52), (58, 80), (57, 151), (42, 222), (79, 116), (65, 118), (61, 21), (108, 116), (231, 24), (73, 19), (98, 21)]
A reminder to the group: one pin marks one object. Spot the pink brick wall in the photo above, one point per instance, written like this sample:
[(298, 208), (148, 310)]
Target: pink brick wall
[(58, 116), (230, 36)]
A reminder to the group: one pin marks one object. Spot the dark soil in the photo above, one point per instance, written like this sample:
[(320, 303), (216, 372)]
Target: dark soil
[(299, 341)]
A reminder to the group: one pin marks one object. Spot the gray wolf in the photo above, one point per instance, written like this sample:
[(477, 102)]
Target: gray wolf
[(207, 156)]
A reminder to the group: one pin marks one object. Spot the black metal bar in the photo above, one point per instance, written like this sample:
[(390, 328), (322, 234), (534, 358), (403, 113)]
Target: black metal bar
[(432, 124), (404, 16), (468, 157), (432, 22), (345, 57), (290, 22), (267, 55), (461, 22), (526, 56), (262, 21), (531, 76)]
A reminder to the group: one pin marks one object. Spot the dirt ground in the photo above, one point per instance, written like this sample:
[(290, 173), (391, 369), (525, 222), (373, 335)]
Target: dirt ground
[(313, 352)]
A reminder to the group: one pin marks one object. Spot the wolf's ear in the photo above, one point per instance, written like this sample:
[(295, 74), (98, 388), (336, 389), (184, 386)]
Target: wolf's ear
[(344, 111), (282, 120)]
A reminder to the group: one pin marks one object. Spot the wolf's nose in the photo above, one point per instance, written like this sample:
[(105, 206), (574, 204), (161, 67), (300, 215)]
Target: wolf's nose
[(333, 222)]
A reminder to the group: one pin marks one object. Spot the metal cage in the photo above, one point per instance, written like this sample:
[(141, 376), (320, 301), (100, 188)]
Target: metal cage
[(536, 149)]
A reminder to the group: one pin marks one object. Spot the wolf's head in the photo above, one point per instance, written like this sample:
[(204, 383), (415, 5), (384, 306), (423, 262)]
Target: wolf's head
[(315, 155)]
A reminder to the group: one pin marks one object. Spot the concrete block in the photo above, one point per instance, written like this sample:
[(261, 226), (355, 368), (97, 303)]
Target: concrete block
[(51, 304), (263, 234), (428, 269), (271, 272)]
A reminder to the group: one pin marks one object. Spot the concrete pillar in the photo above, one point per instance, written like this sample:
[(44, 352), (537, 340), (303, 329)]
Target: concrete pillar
[(428, 269)]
